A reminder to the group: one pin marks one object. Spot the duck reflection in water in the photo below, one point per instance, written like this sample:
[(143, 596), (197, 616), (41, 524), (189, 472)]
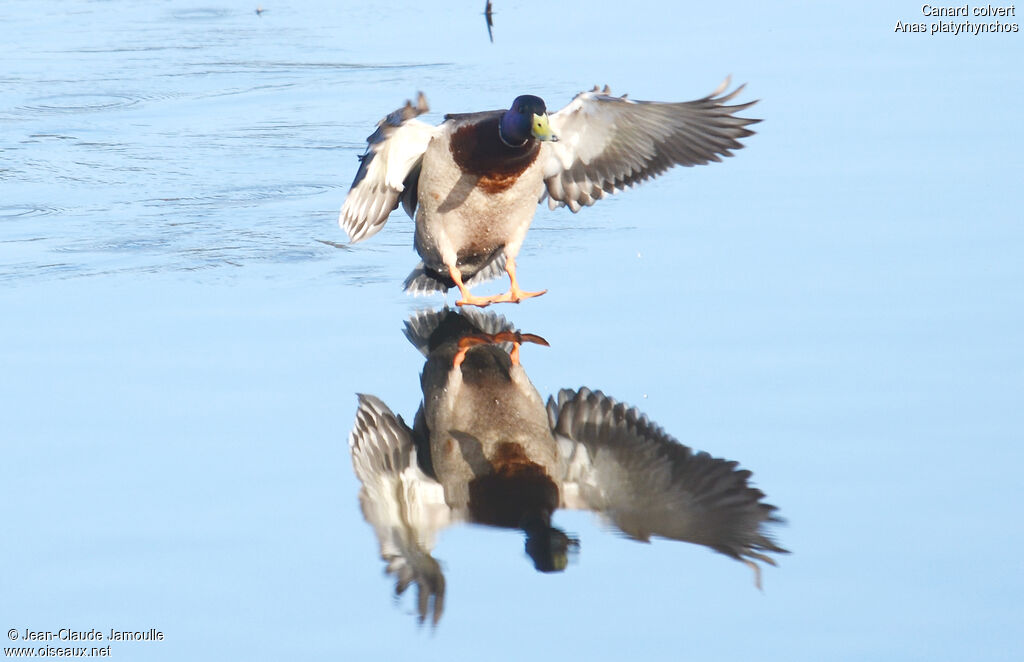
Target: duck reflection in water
[(484, 448)]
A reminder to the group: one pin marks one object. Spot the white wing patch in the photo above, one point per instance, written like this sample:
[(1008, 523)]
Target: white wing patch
[(393, 152), (405, 506)]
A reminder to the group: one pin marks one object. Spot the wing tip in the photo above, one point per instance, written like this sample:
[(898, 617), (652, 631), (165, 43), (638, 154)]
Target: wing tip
[(722, 87), (406, 112), (354, 229), (719, 97)]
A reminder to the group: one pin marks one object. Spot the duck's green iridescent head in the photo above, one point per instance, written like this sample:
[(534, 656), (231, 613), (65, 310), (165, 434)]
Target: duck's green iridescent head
[(527, 118)]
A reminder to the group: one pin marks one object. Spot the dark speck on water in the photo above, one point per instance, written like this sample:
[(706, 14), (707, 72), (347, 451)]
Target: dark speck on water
[(489, 16)]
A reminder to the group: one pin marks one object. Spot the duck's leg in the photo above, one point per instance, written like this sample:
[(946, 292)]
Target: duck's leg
[(465, 343), (514, 294), (467, 298), (514, 337), (514, 354)]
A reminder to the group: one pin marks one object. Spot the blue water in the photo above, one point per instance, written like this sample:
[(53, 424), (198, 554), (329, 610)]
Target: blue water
[(838, 307)]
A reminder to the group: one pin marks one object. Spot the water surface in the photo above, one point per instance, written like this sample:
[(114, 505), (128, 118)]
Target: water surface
[(838, 307)]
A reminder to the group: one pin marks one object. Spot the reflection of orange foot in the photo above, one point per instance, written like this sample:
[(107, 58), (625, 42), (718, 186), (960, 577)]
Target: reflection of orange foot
[(516, 338)]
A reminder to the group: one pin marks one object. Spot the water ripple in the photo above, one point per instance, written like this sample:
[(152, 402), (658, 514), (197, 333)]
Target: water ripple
[(200, 13), (80, 103), (26, 211), (132, 244), (297, 65), (248, 194)]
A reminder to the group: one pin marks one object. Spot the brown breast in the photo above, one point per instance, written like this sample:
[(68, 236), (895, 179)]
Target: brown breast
[(516, 490), (478, 150)]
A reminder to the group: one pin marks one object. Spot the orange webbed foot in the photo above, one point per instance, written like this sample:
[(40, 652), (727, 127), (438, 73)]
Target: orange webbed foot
[(473, 300), (515, 295), (468, 299)]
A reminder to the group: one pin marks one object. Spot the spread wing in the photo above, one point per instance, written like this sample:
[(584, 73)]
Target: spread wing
[(617, 463), (387, 169), (607, 144), (405, 507)]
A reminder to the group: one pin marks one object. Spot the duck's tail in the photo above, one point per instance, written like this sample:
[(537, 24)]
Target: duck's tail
[(424, 281), (427, 329)]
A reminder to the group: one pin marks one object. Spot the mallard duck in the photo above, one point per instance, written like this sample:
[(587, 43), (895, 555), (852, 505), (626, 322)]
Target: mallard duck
[(473, 182), (484, 448)]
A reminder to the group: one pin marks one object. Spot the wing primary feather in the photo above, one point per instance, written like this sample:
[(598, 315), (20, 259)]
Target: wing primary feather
[(611, 143)]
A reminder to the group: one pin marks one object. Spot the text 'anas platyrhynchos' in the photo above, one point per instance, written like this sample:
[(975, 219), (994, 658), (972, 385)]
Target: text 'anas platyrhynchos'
[(473, 182)]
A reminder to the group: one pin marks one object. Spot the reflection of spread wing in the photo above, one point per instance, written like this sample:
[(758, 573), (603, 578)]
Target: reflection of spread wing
[(388, 170), (405, 507), (617, 463), (607, 144)]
